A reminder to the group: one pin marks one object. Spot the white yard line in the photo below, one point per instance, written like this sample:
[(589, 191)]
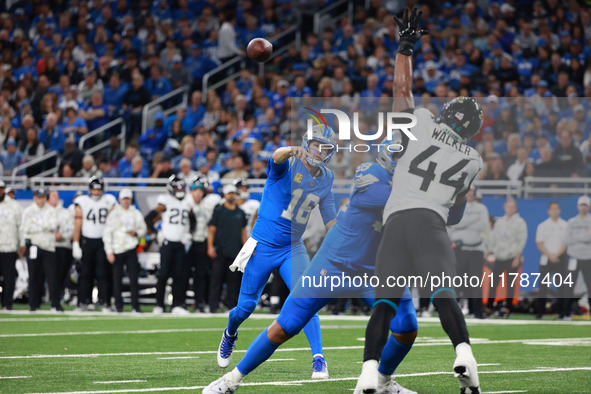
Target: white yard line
[(299, 382), (121, 381), (279, 359), (508, 391), (159, 331), (15, 377), (444, 342), (73, 316), (177, 358)]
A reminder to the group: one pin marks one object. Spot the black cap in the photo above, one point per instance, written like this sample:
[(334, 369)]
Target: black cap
[(41, 192)]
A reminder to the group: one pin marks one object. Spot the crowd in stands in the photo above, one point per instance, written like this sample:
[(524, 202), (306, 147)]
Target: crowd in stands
[(70, 67)]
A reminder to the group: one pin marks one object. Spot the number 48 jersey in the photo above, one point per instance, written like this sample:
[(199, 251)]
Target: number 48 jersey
[(433, 170), (94, 214), (175, 220)]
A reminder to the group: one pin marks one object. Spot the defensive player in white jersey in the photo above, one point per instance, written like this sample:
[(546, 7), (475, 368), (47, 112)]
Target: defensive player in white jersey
[(433, 174), (248, 205), (87, 246), (10, 232), (176, 216), (125, 225), (197, 262)]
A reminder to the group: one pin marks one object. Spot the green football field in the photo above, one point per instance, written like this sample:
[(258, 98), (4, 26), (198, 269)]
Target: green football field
[(42, 353)]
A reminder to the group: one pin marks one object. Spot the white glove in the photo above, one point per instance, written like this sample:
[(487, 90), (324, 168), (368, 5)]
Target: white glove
[(76, 251), (187, 241)]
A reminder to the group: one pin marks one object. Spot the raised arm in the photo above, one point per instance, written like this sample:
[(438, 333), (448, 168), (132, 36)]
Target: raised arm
[(409, 33)]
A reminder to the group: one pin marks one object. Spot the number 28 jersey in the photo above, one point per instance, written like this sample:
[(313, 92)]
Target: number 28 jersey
[(175, 220), (433, 170), (94, 214), (289, 196)]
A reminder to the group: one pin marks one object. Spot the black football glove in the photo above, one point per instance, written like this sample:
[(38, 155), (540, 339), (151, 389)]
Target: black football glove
[(407, 28)]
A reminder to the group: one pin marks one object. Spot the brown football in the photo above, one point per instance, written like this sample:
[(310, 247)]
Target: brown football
[(259, 50)]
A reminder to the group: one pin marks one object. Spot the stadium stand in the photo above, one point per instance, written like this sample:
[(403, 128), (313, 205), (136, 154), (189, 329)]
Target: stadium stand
[(168, 94)]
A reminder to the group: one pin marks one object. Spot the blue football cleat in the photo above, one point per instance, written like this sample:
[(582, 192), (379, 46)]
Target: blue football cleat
[(319, 369), (226, 348)]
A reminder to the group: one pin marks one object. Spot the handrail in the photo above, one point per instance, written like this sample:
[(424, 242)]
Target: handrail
[(221, 67), (33, 162), (106, 143), (318, 15), (568, 186), (183, 89), (100, 130)]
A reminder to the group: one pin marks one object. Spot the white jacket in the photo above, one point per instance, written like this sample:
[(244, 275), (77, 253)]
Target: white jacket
[(508, 237), (119, 222), (39, 226), (10, 230), (65, 225)]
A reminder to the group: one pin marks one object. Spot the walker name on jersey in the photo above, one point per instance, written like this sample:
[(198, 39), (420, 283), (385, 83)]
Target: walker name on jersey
[(441, 136)]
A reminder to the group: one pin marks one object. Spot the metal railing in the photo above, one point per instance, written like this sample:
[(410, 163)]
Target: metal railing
[(323, 17), (16, 182), (536, 186), (531, 187), (205, 87), (100, 130), (149, 108), (30, 163)]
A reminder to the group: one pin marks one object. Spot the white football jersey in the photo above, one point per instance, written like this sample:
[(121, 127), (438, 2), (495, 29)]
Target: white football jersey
[(250, 208), (94, 214), (433, 170), (175, 220), (203, 213)]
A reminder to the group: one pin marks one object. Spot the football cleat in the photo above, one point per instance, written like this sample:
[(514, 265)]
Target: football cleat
[(466, 371), (319, 369), (223, 385), (226, 348), (179, 310), (368, 380), (387, 385), (158, 310)]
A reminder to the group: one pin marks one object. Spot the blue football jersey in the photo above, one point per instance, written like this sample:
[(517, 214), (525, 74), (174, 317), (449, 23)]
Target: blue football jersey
[(354, 239), (289, 196)]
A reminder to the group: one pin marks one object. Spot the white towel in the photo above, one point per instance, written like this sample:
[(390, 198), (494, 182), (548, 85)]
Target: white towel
[(244, 255)]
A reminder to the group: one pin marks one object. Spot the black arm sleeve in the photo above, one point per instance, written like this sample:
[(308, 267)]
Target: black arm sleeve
[(150, 220), (192, 221)]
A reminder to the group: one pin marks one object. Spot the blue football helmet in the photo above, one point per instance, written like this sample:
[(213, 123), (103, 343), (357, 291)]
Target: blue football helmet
[(328, 144)]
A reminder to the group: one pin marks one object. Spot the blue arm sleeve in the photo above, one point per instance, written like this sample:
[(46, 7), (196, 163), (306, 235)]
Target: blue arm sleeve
[(276, 171), (455, 214), (327, 208), (373, 197)]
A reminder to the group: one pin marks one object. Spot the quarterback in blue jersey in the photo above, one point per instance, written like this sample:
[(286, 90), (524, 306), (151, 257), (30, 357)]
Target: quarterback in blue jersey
[(297, 182), (349, 247)]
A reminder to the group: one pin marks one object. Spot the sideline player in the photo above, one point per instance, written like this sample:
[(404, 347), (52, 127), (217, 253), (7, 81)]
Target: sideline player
[(125, 225), (433, 173), (349, 247), (89, 225), (10, 244), (249, 205), (297, 181), (177, 223), (197, 262)]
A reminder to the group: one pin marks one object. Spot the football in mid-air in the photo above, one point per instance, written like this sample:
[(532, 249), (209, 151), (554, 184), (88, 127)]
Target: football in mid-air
[(259, 50)]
